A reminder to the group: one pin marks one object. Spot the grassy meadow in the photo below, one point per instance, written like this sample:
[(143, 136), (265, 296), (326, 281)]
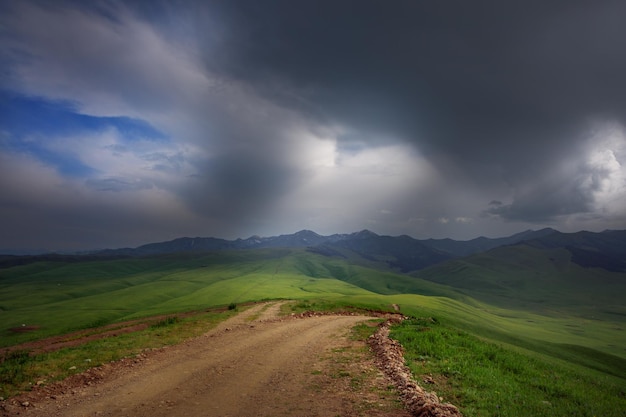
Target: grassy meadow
[(20, 369), (537, 362), (485, 378), (58, 297)]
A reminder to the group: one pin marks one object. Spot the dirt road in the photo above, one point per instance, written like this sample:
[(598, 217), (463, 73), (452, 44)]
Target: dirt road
[(251, 365)]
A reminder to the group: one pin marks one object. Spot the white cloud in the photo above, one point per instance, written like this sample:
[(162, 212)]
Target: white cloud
[(110, 66), (604, 175), (110, 155)]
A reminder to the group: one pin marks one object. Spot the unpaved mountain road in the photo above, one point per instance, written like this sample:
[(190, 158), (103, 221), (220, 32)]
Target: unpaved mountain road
[(253, 364)]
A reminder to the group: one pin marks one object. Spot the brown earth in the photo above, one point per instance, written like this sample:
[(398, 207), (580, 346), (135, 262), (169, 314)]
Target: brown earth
[(254, 364)]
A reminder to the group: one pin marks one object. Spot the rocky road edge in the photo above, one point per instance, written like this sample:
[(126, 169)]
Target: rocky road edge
[(390, 359)]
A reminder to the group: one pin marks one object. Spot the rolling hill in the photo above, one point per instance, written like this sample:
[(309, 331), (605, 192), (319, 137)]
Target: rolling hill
[(58, 296), (546, 270), (480, 244), (540, 278), (577, 275), (606, 250), (552, 296)]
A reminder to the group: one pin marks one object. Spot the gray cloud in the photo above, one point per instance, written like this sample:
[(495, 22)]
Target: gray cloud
[(234, 186), (582, 181), (501, 91)]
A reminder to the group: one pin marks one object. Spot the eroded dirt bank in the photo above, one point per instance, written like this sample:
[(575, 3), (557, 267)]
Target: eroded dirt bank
[(390, 358)]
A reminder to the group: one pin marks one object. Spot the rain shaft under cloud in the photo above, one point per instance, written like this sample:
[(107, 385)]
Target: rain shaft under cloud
[(129, 122)]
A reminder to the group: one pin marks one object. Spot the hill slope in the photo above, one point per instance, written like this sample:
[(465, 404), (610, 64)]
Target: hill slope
[(605, 250), (481, 244), (57, 296), (531, 277)]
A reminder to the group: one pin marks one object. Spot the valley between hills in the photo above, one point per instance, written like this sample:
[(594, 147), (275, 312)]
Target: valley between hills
[(533, 324)]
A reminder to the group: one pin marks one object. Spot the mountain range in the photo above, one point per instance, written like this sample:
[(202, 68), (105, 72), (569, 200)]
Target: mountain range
[(606, 250), (403, 253), (308, 238)]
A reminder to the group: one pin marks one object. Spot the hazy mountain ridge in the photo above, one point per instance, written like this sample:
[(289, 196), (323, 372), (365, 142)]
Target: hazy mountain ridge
[(481, 244), (605, 250), (401, 253), (405, 254), (364, 240)]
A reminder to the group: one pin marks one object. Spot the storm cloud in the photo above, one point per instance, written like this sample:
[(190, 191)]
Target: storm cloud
[(240, 117)]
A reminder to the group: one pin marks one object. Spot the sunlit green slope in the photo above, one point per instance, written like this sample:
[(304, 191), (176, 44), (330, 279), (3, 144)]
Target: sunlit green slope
[(533, 303), (58, 297), (543, 280)]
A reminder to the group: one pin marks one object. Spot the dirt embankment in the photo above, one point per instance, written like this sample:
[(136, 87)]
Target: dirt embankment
[(390, 358), (255, 364)]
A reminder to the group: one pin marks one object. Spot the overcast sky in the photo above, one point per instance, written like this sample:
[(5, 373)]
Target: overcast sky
[(123, 123)]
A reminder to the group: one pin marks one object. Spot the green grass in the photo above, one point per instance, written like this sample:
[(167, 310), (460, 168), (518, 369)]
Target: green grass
[(573, 350), (485, 378), (20, 370), (544, 281), (62, 297)]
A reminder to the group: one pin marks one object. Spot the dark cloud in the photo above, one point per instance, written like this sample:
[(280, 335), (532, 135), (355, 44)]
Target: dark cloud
[(261, 117), (496, 88), (233, 187), (580, 182), (483, 64)]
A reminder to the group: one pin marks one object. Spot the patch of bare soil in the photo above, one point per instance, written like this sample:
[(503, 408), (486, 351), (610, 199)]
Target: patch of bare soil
[(23, 329), (254, 364)]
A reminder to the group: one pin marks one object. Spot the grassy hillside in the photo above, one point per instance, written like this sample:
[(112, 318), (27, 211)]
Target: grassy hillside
[(486, 378), (58, 297), (543, 280), (499, 303)]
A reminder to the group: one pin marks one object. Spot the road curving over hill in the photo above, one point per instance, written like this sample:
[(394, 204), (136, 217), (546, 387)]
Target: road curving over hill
[(254, 364)]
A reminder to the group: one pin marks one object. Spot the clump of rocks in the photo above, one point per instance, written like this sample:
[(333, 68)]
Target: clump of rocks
[(390, 359)]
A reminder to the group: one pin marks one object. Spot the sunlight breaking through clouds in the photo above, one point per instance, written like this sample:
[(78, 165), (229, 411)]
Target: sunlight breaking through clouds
[(592, 179), (606, 164)]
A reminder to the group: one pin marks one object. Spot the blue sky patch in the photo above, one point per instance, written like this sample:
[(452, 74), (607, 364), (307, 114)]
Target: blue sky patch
[(23, 115), (30, 123)]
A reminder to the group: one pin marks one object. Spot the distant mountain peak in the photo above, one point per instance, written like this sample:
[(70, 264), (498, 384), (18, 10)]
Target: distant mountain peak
[(306, 232), (365, 233)]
